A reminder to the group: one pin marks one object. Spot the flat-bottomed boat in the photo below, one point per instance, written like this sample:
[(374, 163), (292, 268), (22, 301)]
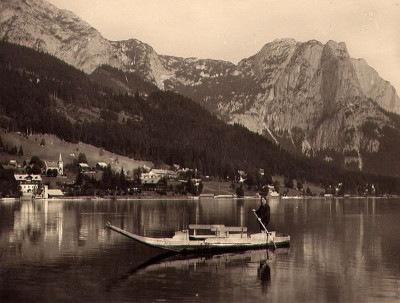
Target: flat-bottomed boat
[(211, 237)]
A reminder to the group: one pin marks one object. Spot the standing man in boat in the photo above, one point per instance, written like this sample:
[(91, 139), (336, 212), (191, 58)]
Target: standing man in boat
[(264, 211)]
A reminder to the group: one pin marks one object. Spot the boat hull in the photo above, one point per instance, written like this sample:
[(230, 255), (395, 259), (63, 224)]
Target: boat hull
[(182, 243)]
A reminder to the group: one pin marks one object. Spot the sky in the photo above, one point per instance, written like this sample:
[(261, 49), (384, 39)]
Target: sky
[(235, 29)]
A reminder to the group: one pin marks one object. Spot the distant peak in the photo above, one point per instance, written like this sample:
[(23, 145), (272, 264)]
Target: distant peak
[(284, 43), (313, 41), (336, 45), (338, 49), (288, 41)]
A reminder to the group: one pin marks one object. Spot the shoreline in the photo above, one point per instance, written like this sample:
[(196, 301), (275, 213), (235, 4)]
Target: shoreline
[(194, 198)]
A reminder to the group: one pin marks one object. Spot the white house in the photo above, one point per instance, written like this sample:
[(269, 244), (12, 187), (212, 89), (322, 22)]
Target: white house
[(101, 165), (149, 177), (13, 163), (29, 183), (84, 167), (161, 173)]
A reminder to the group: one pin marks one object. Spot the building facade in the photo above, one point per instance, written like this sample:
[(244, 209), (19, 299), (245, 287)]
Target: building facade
[(29, 184)]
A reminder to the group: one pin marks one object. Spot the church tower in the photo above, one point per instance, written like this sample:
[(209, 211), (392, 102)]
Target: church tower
[(60, 166)]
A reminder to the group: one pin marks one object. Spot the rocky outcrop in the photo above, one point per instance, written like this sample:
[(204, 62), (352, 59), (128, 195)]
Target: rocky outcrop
[(314, 102), (42, 26), (374, 87)]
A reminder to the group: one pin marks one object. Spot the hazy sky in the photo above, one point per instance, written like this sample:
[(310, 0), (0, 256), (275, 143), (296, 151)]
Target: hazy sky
[(235, 29)]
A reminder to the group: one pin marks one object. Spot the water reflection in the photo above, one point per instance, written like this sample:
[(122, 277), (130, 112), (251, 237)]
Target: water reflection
[(49, 228), (264, 270), (174, 260), (228, 272), (341, 249)]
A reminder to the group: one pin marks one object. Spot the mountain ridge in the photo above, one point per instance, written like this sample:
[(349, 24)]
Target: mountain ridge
[(309, 97), (96, 47), (43, 95)]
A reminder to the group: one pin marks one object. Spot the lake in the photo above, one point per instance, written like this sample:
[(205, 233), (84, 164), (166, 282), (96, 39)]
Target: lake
[(342, 250)]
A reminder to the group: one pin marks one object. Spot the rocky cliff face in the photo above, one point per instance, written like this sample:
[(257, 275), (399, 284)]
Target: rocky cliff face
[(374, 87), (308, 97), (42, 26), (312, 100)]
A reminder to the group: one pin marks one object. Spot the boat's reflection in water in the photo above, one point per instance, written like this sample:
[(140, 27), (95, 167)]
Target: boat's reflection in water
[(261, 259)]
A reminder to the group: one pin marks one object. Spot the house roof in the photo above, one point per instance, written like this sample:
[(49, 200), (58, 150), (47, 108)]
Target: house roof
[(26, 177), (55, 192), (51, 164), (151, 180), (160, 171)]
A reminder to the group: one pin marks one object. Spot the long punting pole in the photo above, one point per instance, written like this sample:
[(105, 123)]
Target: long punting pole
[(259, 220), (262, 224)]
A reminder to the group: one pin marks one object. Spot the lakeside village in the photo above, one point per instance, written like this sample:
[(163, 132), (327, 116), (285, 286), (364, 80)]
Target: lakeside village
[(40, 179)]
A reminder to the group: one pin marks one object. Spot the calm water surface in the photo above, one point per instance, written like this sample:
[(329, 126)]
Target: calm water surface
[(345, 250)]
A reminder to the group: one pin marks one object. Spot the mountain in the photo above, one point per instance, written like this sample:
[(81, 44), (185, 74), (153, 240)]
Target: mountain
[(308, 97), (42, 26), (42, 94)]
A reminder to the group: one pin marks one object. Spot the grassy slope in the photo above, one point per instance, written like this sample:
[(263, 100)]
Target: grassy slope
[(69, 151), (54, 146)]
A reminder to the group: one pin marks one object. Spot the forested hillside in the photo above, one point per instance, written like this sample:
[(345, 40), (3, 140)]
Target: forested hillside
[(40, 93)]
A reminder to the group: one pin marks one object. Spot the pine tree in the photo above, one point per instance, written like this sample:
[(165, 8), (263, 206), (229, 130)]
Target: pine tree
[(299, 185), (79, 179), (107, 178), (82, 158), (122, 180)]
